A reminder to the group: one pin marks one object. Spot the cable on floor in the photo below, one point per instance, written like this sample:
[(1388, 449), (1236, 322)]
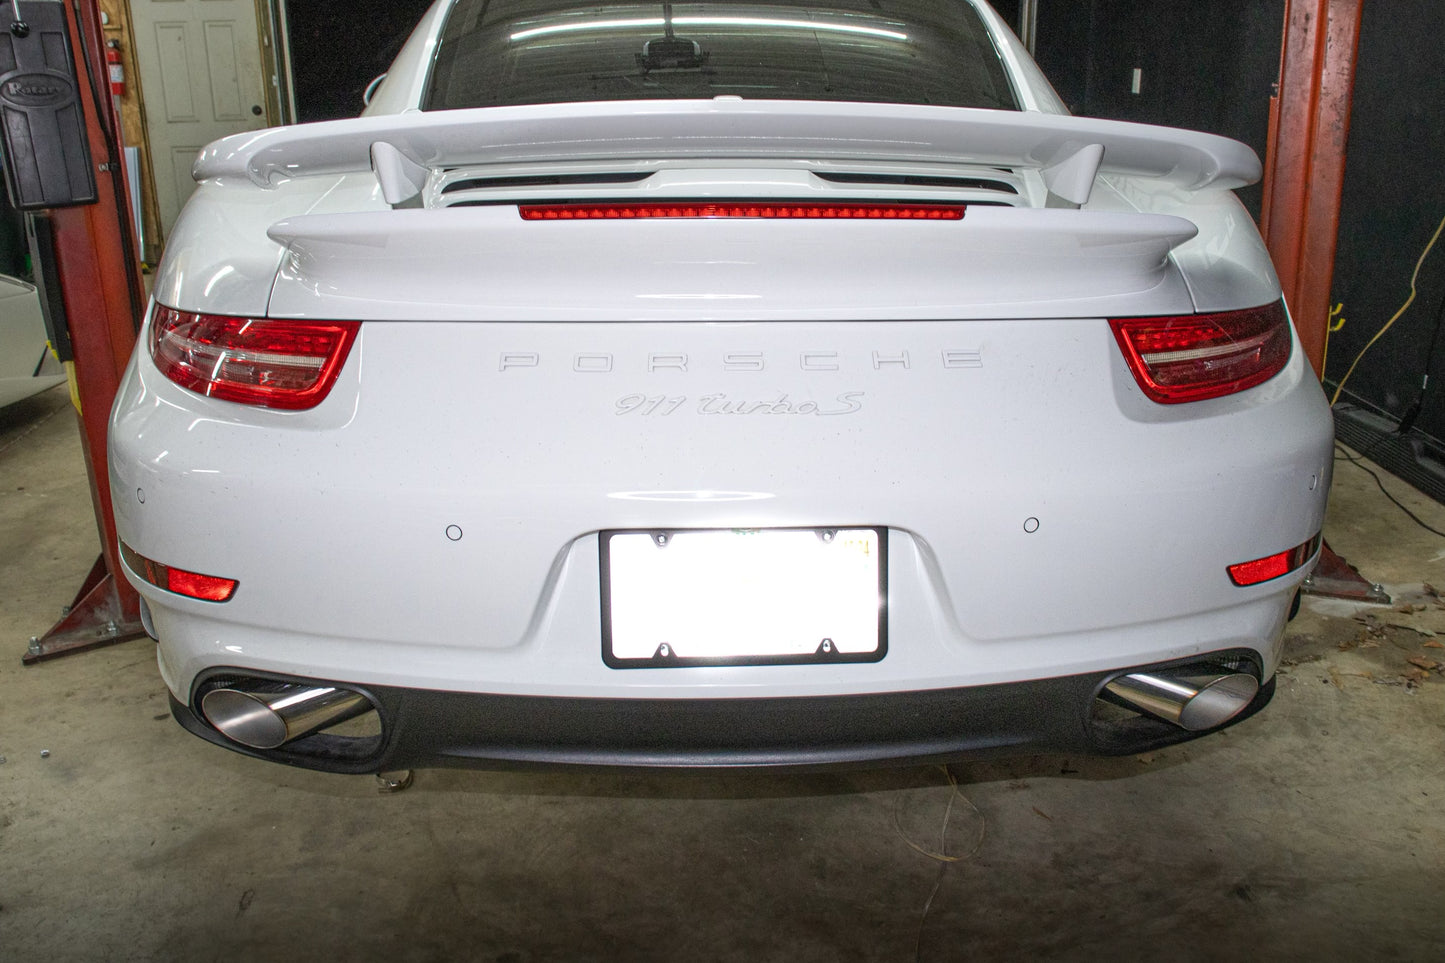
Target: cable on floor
[(1342, 453), (941, 855)]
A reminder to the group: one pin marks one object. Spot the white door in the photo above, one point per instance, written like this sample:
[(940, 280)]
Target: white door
[(200, 72)]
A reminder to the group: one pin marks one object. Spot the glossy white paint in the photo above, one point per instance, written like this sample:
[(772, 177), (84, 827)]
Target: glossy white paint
[(648, 130), (518, 387), (222, 260), (1226, 265), (486, 263), (511, 432)]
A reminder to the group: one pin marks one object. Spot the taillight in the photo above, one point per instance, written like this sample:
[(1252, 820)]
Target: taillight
[(207, 588), (1273, 566), (1192, 357), (266, 362), (767, 210)]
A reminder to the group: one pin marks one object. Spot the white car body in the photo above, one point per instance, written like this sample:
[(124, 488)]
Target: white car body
[(428, 535), (26, 364)]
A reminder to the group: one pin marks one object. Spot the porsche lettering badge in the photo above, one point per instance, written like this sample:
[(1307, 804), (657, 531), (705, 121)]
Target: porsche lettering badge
[(601, 362)]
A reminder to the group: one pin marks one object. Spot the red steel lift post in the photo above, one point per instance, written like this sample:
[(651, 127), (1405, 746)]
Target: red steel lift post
[(1304, 182), (100, 286), (1309, 124)]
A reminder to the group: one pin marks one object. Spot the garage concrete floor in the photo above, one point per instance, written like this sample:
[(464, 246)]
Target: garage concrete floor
[(1312, 831)]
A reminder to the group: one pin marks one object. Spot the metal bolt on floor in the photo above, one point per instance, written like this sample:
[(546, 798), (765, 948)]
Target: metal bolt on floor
[(393, 781)]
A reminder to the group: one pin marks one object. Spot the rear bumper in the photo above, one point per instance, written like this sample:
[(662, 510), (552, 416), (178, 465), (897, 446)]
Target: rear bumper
[(438, 527), (431, 729)]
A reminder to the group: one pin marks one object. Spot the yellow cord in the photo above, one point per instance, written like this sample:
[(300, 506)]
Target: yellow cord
[(1408, 301), (1331, 327)]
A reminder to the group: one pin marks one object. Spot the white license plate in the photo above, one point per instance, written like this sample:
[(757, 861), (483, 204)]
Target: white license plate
[(743, 597)]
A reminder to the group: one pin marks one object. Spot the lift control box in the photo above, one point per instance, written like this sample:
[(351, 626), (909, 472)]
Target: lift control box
[(42, 119)]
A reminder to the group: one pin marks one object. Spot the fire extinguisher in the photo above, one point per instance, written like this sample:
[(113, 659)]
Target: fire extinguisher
[(113, 65)]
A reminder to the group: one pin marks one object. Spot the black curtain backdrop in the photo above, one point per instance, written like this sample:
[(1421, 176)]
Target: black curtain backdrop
[(1207, 65), (1394, 200), (337, 48)]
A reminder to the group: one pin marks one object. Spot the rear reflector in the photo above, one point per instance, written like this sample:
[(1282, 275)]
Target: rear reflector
[(1273, 566), (1197, 356), (271, 363), (207, 588), (775, 210)]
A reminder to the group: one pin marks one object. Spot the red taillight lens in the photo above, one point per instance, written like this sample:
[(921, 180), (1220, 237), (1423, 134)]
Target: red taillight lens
[(271, 363), (773, 210), (1273, 566), (1197, 356), (207, 588)]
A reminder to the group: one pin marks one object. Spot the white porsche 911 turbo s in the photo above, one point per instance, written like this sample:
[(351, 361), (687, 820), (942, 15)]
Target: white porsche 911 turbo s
[(765, 383)]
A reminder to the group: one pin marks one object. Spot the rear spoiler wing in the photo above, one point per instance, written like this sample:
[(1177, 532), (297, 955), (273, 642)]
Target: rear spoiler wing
[(404, 148), (485, 263)]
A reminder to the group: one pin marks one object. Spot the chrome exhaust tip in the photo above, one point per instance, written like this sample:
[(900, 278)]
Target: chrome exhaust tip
[(1192, 702), (267, 715)]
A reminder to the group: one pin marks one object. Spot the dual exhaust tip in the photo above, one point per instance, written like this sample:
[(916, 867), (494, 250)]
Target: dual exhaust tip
[(267, 715), (1193, 702)]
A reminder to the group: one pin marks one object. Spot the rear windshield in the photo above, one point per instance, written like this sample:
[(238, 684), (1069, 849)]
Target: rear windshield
[(500, 52)]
